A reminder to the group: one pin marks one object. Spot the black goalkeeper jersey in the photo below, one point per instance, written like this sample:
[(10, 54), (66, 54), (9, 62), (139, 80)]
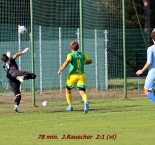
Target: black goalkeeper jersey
[(10, 65)]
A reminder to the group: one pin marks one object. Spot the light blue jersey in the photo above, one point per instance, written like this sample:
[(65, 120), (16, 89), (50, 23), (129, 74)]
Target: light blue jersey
[(150, 79)]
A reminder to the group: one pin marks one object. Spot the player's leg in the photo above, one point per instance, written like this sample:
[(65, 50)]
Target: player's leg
[(23, 75), (81, 84), (85, 99), (15, 87), (70, 82), (17, 102), (29, 75), (83, 94), (69, 99), (149, 87), (150, 95)]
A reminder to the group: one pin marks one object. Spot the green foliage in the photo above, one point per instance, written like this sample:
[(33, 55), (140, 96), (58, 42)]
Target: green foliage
[(131, 18), (11, 12), (152, 13), (70, 9)]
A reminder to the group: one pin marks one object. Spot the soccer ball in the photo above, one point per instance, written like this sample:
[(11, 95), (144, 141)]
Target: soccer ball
[(44, 103), (22, 29)]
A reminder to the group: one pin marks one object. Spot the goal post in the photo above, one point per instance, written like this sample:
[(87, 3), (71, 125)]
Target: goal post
[(52, 25)]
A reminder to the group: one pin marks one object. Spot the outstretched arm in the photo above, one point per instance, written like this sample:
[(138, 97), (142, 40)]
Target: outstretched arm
[(20, 53), (65, 64)]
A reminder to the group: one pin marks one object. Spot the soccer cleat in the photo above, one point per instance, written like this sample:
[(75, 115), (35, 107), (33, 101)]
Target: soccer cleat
[(86, 107), (20, 78), (17, 109), (69, 108)]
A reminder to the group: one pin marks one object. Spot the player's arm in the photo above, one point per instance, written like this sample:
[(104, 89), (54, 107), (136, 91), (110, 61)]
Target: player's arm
[(87, 59), (65, 64), (20, 53), (146, 66), (148, 63)]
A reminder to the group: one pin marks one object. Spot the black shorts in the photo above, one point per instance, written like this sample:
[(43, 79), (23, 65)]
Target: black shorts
[(14, 83), (25, 74), (15, 86)]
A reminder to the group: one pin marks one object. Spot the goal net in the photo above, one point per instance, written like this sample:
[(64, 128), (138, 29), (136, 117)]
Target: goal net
[(56, 24)]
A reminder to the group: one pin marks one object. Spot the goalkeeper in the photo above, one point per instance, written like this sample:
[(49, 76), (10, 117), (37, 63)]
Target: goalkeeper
[(149, 87), (15, 76), (76, 61)]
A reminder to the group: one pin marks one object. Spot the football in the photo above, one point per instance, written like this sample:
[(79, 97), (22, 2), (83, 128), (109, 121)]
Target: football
[(44, 103), (22, 29)]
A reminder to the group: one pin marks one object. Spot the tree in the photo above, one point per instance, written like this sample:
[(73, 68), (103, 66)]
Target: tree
[(147, 14), (131, 17), (147, 21)]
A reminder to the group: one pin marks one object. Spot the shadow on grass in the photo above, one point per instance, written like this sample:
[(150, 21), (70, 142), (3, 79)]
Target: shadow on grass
[(93, 109)]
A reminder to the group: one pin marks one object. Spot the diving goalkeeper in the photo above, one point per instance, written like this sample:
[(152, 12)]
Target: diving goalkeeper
[(15, 76)]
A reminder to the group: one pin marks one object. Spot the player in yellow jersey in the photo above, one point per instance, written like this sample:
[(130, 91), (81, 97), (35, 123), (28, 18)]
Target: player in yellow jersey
[(76, 61)]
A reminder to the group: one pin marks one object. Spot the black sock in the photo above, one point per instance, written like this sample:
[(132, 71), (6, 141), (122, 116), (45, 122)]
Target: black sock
[(29, 76), (17, 100), (33, 76)]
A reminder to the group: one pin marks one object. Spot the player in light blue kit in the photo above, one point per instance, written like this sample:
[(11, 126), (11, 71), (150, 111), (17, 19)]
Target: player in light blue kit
[(149, 87)]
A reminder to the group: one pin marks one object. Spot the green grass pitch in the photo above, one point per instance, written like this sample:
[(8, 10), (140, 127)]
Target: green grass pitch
[(110, 122)]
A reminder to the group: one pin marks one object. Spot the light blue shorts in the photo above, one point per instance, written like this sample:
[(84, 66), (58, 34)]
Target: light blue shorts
[(150, 81)]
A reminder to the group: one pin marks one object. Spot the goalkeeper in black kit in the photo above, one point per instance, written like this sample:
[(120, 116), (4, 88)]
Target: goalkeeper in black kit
[(15, 76)]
